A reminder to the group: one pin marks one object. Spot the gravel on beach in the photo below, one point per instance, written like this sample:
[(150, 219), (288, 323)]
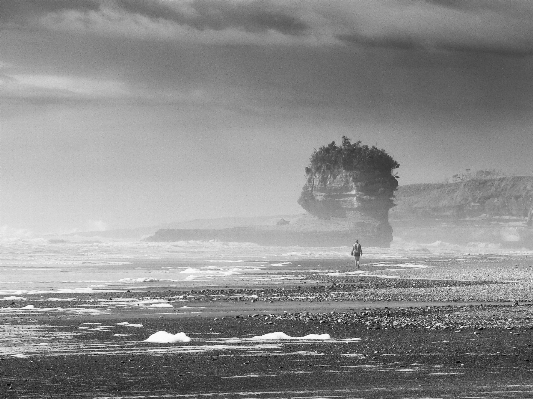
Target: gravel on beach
[(460, 329)]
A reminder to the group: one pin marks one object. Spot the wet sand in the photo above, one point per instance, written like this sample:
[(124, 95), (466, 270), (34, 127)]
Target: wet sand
[(460, 329)]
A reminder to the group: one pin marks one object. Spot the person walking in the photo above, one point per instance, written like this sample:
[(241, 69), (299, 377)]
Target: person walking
[(357, 251)]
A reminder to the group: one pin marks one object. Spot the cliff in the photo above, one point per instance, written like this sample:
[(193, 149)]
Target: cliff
[(363, 202), (477, 210), (490, 210), (494, 197), (354, 182), (348, 193)]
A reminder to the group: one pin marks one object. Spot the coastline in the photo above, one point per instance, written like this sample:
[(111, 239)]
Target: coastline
[(439, 330)]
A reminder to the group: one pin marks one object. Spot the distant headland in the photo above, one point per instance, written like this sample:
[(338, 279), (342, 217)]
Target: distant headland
[(348, 193), (482, 206)]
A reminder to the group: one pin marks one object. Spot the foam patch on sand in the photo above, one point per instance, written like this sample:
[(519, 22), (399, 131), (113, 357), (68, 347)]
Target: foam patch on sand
[(362, 273), (281, 264), (163, 337), (60, 299), (161, 305), (32, 309), (88, 290), (154, 303), (13, 298), (127, 324), (282, 335), (140, 280), (411, 265)]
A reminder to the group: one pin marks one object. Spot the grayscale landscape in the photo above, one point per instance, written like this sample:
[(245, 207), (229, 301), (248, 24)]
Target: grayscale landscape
[(182, 183)]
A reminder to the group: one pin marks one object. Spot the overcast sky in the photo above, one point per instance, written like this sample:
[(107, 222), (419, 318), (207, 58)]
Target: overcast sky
[(122, 113)]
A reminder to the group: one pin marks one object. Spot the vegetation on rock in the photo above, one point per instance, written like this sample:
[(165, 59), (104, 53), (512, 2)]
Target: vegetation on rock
[(363, 162), (342, 169), (352, 181)]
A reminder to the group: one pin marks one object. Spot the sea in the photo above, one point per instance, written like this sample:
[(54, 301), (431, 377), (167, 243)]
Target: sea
[(41, 265), (50, 337)]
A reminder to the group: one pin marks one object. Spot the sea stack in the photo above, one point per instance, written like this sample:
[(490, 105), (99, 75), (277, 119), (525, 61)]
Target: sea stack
[(354, 183)]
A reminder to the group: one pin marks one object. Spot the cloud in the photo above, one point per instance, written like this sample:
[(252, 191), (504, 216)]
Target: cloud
[(33, 86), (113, 22), (60, 88), (249, 16), (69, 85), (15, 12), (203, 21), (488, 26)]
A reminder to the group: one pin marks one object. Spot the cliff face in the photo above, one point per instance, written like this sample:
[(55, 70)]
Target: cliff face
[(496, 210), (343, 207), (498, 197), (364, 200)]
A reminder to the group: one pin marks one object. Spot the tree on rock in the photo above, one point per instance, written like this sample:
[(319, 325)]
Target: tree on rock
[(351, 180)]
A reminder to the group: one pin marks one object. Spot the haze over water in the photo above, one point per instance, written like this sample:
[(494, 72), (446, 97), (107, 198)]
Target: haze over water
[(38, 266)]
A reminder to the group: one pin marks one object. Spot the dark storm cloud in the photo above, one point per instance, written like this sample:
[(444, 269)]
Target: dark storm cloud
[(457, 4), (22, 10), (518, 7), (504, 51), (254, 16), (406, 43), (492, 27), (401, 43), (476, 26)]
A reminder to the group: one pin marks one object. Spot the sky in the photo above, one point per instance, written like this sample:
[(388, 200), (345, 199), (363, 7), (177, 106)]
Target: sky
[(127, 113)]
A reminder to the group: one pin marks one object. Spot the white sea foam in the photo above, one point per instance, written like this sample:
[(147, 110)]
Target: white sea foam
[(153, 303), (409, 265), (127, 324), (163, 337), (161, 305), (80, 290), (282, 335), (13, 298), (60, 299)]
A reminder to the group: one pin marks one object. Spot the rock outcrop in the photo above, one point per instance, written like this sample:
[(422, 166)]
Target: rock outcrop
[(493, 211), (355, 183), (348, 194)]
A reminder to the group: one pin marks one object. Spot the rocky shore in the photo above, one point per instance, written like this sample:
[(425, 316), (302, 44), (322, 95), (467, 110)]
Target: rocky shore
[(461, 329)]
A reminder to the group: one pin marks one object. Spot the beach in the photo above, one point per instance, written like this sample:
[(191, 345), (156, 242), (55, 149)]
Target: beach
[(251, 322)]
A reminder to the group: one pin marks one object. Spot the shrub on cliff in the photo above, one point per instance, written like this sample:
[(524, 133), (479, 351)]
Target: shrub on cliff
[(363, 162), (352, 170)]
